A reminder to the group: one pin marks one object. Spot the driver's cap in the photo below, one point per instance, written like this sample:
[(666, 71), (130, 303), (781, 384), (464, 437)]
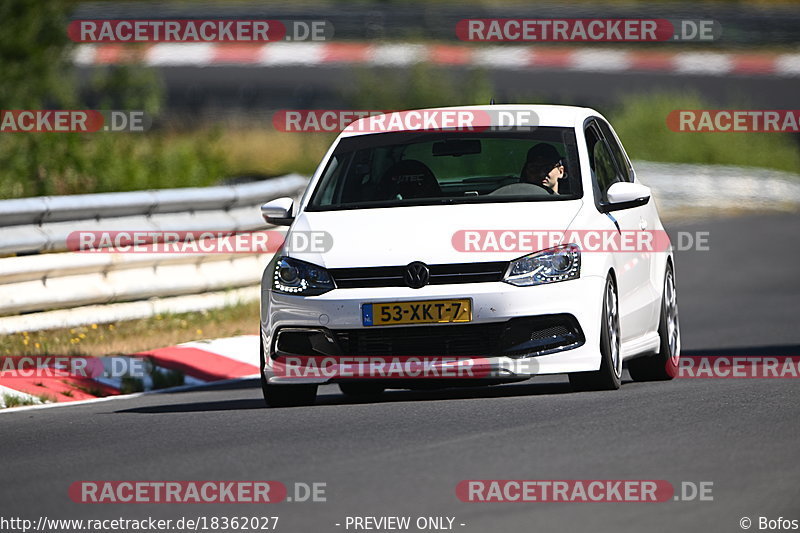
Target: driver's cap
[(542, 155)]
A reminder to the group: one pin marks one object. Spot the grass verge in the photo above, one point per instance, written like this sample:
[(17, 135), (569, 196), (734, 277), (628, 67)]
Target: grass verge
[(641, 126), (12, 400)]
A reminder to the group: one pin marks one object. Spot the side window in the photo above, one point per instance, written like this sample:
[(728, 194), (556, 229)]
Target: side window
[(622, 161), (601, 161)]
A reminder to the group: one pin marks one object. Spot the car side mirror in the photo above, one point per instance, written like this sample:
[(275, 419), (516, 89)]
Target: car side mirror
[(624, 195), (278, 212)]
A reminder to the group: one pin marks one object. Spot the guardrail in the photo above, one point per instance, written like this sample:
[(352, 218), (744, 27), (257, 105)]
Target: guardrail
[(43, 223), (56, 288)]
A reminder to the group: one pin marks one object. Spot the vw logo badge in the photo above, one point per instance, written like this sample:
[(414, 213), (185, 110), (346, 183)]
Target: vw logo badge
[(417, 275)]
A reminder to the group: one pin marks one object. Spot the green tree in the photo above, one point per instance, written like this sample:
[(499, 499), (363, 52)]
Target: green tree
[(35, 55)]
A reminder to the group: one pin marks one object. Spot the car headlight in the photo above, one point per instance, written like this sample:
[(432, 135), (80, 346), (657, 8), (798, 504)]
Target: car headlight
[(548, 266), (292, 276)]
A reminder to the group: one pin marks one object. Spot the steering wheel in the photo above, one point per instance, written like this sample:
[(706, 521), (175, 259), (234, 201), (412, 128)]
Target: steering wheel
[(522, 189)]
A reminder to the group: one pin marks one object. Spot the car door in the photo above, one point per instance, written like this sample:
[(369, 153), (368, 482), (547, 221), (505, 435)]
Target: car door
[(648, 221), (632, 268)]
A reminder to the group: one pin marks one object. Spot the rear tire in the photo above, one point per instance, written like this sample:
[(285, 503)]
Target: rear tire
[(662, 366), (609, 377), (361, 390), (284, 395)]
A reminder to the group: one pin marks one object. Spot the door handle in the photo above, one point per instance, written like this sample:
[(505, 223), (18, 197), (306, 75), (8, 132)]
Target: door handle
[(642, 224)]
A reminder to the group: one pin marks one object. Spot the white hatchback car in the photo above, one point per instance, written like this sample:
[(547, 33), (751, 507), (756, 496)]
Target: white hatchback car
[(488, 254)]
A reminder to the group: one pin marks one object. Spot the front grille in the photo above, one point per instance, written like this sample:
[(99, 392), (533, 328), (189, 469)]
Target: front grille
[(542, 334), (518, 337), (393, 276), (466, 340), (546, 333)]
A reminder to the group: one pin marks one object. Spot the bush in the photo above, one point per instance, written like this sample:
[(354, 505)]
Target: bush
[(58, 163)]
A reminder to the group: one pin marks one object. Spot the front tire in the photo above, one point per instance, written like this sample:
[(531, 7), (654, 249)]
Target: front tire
[(662, 366), (609, 377), (284, 395)]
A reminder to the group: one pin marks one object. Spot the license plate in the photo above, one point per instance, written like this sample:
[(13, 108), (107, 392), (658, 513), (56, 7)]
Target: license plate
[(423, 312)]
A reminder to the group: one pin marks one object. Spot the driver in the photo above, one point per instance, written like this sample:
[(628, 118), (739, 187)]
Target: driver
[(543, 167)]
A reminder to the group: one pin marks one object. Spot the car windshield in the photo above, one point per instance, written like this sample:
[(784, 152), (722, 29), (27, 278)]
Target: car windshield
[(449, 167)]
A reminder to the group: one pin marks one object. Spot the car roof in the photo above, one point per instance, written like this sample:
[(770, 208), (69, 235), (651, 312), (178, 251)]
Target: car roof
[(546, 115)]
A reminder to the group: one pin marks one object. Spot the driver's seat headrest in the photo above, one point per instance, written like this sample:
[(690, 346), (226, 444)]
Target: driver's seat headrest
[(409, 178)]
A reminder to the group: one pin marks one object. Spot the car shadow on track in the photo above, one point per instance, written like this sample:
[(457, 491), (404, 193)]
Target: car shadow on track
[(220, 405), (330, 396), (197, 407), (528, 388)]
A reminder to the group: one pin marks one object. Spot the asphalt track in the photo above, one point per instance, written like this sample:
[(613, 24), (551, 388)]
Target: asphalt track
[(405, 454)]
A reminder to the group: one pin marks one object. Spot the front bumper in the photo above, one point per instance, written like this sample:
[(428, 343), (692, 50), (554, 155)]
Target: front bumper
[(492, 304)]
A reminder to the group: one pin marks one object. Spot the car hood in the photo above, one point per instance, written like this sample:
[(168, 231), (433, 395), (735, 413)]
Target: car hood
[(400, 235)]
